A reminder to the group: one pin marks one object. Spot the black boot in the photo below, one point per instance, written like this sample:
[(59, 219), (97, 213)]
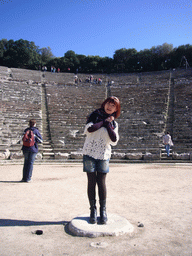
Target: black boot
[(103, 214), (93, 213)]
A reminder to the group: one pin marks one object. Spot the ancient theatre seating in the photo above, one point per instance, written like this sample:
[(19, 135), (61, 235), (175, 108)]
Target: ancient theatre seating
[(142, 117), (20, 101), (182, 125), (68, 107), (144, 102)]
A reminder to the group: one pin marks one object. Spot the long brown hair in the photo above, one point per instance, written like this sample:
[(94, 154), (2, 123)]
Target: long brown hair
[(114, 100)]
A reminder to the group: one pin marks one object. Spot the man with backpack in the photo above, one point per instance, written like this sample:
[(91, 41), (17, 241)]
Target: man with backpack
[(31, 138)]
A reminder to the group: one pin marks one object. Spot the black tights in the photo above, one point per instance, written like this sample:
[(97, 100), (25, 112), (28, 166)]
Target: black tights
[(99, 179)]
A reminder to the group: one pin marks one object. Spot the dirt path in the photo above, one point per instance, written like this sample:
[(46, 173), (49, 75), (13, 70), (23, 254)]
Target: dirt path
[(157, 195)]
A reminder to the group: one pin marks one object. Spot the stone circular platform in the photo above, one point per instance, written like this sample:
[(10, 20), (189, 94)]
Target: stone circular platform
[(116, 225)]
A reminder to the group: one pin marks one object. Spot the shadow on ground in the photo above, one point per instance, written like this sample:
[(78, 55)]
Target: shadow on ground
[(13, 223)]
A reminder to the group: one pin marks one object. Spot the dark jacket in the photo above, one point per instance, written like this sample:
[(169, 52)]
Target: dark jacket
[(99, 115), (37, 134)]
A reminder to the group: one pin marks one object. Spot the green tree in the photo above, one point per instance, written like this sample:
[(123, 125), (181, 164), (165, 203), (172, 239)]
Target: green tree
[(25, 54), (161, 54), (106, 65), (125, 59), (9, 54), (46, 55), (81, 59), (3, 44), (21, 54), (178, 53), (71, 60), (144, 60)]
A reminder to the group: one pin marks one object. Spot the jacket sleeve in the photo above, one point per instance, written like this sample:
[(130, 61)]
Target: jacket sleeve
[(115, 130), (95, 127), (38, 137), (111, 132)]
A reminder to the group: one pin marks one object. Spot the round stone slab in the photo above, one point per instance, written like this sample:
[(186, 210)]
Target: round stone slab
[(116, 225)]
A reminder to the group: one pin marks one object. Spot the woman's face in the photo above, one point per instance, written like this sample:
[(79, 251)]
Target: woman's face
[(110, 108)]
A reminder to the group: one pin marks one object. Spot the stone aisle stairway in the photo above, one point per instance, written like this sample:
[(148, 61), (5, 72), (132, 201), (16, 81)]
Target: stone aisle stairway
[(170, 110), (169, 118), (47, 143)]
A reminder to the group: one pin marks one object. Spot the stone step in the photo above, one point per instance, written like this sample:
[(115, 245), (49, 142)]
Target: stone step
[(48, 153), (47, 150)]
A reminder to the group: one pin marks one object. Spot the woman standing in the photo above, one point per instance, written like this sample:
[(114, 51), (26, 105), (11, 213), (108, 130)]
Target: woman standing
[(30, 149), (101, 132)]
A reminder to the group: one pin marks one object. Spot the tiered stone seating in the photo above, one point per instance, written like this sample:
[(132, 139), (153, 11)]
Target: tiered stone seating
[(141, 123), (147, 78), (143, 114), (4, 73), (84, 78), (68, 108), (26, 75), (182, 126), (58, 78), (33, 76), (144, 99), (123, 79), (20, 102)]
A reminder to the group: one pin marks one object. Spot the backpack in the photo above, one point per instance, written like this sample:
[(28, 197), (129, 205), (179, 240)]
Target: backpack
[(28, 139)]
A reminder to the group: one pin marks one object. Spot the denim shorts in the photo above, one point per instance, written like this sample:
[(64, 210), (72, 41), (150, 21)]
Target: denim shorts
[(91, 164)]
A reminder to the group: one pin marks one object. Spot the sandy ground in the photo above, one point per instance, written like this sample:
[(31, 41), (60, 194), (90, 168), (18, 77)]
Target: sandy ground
[(157, 195)]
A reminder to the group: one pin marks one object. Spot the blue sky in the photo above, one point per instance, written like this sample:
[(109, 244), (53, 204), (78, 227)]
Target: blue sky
[(97, 27)]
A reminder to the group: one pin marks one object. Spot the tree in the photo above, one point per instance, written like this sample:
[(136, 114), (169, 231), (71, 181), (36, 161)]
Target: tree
[(144, 60), (25, 54), (3, 44), (21, 54), (106, 65), (178, 53), (46, 55), (162, 50), (71, 60), (161, 54), (123, 59)]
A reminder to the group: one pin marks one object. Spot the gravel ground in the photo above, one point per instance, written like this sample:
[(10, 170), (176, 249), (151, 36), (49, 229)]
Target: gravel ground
[(159, 196)]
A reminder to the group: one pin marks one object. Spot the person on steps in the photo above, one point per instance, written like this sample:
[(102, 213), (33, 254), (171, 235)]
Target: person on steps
[(101, 132), (167, 141)]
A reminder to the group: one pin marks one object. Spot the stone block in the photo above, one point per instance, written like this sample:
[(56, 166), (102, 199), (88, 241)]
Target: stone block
[(116, 226), (2, 156), (134, 156), (5, 155), (17, 155), (182, 156), (60, 155), (39, 156), (116, 155), (150, 156), (76, 155)]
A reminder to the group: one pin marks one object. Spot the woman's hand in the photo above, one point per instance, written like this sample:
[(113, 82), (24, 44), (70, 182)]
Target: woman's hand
[(110, 119)]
